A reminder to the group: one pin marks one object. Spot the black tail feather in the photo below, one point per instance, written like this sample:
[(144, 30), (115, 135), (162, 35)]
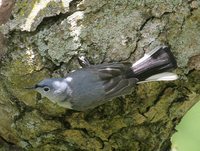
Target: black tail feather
[(157, 61)]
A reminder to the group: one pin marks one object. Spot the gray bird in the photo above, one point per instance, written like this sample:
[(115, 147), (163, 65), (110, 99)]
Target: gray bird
[(93, 85)]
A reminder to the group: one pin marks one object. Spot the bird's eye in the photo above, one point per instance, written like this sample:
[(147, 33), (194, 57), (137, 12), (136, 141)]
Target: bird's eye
[(46, 89)]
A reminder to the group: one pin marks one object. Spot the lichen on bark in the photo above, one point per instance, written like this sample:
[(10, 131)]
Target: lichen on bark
[(44, 41)]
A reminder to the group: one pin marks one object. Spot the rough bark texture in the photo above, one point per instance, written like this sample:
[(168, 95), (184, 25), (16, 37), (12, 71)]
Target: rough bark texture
[(43, 39)]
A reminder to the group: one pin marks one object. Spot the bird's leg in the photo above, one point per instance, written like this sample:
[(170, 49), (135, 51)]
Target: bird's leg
[(83, 61)]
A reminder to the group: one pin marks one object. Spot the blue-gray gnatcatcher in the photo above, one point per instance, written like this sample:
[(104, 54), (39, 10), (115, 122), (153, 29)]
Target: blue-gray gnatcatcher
[(94, 85)]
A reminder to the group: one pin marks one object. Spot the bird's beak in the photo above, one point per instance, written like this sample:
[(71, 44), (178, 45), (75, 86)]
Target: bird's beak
[(31, 88)]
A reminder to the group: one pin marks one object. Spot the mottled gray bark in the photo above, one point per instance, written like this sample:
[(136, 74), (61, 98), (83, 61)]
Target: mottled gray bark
[(43, 39)]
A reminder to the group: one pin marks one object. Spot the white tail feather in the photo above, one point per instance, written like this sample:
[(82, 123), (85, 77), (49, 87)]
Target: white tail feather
[(165, 76)]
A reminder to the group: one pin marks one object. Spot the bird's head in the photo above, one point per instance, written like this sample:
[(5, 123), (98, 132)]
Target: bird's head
[(55, 89)]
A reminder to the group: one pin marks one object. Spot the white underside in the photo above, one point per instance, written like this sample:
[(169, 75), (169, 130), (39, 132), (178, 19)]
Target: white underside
[(65, 104)]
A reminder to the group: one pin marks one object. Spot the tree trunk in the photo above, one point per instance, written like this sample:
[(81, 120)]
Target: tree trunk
[(43, 39)]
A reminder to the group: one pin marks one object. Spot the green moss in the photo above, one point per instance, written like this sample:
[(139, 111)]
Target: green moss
[(20, 73), (32, 125), (21, 7)]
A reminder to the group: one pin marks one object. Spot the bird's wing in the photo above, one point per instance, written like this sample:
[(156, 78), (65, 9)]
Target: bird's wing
[(117, 78)]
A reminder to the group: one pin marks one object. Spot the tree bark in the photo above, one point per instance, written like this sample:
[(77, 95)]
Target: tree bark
[(43, 39)]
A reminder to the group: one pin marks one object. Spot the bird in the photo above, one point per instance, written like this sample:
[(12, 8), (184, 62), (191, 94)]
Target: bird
[(94, 85)]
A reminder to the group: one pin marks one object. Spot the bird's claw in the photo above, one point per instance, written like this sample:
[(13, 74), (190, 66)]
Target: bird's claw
[(83, 61)]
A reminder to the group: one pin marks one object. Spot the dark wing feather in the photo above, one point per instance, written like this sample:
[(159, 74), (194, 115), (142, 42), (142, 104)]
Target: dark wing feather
[(116, 78)]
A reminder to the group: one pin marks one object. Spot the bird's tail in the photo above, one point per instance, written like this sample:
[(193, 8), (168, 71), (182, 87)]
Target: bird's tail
[(154, 66)]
